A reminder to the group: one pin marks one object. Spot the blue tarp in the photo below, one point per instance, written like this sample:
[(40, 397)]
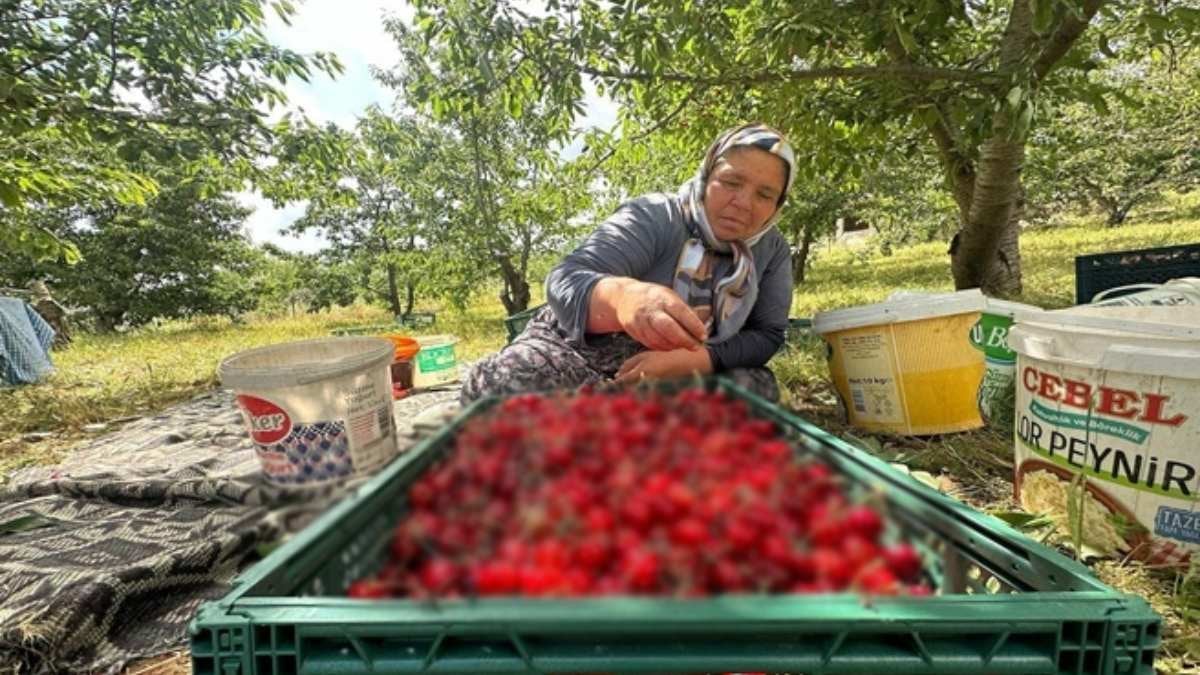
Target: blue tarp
[(25, 339)]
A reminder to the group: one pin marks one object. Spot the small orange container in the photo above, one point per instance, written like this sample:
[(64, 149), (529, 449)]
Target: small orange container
[(402, 367), (406, 347)]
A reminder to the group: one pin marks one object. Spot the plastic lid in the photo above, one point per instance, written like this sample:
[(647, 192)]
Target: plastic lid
[(1126, 352), (1015, 310), (909, 307), (436, 340), (406, 347), (303, 362), (1179, 322)]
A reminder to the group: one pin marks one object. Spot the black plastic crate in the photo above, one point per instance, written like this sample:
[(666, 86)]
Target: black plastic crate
[(1102, 271)]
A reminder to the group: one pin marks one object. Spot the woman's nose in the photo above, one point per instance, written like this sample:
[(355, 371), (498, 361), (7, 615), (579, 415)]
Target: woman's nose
[(741, 198)]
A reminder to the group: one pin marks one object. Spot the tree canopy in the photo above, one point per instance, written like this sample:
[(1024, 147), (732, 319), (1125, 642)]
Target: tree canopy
[(970, 77), (94, 91)]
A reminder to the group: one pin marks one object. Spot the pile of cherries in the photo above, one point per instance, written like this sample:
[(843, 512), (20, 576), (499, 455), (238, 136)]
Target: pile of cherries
[(594, 494)]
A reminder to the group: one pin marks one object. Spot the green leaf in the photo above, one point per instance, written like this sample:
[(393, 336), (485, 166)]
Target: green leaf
[(1024, 121), (1156, 22), (1076, 496), (1025, 522), (10, 196), (1043, 15), (906, 38), (1014, 97)]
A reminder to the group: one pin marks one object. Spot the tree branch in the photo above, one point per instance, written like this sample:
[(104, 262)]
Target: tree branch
[(646, 133), (958, 164), (1064, 38), (55, 53), (1018, 36), (881, 72), (112, 52)]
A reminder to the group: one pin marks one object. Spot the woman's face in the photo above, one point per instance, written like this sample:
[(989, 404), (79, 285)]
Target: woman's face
[(743, 191)]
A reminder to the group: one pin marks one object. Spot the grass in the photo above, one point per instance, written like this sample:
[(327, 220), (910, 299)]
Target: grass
[(106, 377)]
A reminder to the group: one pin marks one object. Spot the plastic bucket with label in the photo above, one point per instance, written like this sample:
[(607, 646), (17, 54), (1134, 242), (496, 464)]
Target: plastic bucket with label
[(1183, 291), (436, 363), (1112, 393), (318, 411), (990, 336), (907, 366)]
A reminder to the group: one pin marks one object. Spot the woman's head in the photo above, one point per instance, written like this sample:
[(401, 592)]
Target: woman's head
[(745, 177)]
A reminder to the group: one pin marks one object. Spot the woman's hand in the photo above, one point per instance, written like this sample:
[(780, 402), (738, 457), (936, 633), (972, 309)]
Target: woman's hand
[(655, 316), (665, 365)]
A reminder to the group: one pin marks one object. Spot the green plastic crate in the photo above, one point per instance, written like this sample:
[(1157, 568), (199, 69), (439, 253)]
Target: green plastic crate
[(414, 320), (516, 323), (1008, 604)]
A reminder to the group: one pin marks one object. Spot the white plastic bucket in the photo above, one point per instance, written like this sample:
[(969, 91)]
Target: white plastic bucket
[(990, 336), (906, 366), (1112, 393), (318, 410), (437, 362), (1183, 291)]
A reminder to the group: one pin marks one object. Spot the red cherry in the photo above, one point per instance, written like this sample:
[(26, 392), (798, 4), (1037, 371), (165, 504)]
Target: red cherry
[(904, 561), (369, 588)]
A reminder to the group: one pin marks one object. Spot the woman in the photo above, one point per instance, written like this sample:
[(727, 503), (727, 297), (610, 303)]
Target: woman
[(670, 285)]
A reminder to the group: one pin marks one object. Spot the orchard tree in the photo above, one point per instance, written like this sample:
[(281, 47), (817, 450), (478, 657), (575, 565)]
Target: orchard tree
[(510, 194), (375, 194), (1119, 155), (171, 257), (89, 87), (970, 76)]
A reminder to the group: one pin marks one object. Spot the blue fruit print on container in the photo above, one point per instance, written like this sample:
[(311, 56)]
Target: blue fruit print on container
[(316, 453)]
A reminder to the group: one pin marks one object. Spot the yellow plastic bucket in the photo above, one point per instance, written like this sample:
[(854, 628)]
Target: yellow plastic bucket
[(907, 366)]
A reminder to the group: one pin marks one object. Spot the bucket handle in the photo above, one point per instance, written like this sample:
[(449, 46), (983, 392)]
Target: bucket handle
[(1103, 295)]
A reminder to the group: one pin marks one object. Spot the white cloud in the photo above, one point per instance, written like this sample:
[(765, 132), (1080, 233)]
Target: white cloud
[(600, 112), (348, 28), (264, 225)]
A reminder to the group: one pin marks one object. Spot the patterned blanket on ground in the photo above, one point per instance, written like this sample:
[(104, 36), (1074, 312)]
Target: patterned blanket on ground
[(106, 557)]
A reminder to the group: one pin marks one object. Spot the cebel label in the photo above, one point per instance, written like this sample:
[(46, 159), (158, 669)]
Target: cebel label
[(268, 422)]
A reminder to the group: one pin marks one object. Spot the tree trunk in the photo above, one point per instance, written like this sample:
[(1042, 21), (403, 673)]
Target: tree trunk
[(1005, 278), (515, 295), (393, 290), (800, 255), (411, 294), (1111, 205), (984, 253)]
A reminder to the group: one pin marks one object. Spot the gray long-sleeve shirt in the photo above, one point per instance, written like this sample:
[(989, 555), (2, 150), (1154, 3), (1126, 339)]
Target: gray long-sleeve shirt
[(643, 240)]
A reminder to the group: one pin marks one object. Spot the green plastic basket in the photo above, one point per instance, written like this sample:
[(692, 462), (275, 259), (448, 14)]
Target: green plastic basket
[(1007, 603), (516, 323)]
